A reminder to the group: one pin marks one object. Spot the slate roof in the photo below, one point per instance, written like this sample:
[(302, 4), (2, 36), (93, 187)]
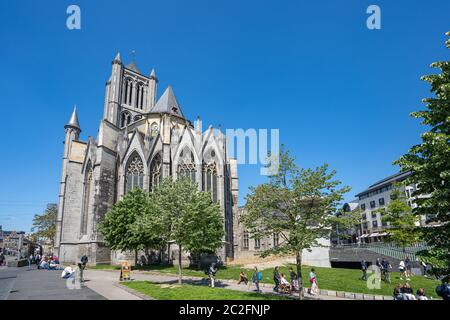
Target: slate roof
[(167, 104)]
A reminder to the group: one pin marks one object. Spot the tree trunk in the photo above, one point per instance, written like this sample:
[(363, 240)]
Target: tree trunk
[(298, 261), (180, 275), (135, 257), (168, 253)]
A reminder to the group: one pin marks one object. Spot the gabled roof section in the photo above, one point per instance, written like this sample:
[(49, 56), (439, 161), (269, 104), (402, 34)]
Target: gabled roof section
[(168, 104), (132, 66)]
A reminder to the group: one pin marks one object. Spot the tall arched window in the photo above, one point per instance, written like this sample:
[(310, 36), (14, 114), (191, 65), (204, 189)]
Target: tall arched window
[(155, 172), (134, 173), (186, 168), (127, 92), (210, 179), (125, 119), (88, 181), (140, 95)]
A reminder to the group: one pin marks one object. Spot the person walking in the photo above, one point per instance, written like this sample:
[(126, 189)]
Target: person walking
[(243, 277), (276, 279), (364, 270), (385, 270), (408, 265), (402, 269), (313, 280), (256, 278), (82, 265), (2, 258), (212, 273)]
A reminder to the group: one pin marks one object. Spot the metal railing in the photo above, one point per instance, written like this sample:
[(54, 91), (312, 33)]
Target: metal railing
[(388, 249)]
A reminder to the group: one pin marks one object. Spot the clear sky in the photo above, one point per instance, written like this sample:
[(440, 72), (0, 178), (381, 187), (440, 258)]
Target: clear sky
[(338, 92)]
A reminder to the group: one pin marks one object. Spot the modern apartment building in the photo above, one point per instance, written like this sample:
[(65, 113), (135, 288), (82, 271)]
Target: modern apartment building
[(369, 201)]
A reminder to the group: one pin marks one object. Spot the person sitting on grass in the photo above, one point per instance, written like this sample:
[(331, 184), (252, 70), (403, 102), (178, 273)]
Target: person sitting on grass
[(243, 278), (408, 292), (398, 294), (421, 294)]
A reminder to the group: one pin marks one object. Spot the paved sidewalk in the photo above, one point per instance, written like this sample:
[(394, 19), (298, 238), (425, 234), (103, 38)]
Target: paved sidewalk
[(32, 284), (105, 283)]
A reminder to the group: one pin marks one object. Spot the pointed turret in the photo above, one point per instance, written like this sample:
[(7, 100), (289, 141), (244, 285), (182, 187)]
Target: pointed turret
[(117, 58), (73, 121), (168, 104), (153, 75)]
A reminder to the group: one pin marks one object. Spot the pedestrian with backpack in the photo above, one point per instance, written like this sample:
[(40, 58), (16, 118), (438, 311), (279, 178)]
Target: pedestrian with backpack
[(256, 278)]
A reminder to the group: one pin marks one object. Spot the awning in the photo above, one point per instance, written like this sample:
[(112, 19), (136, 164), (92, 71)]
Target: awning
[(375, 234), (364, 236), (384, 234)]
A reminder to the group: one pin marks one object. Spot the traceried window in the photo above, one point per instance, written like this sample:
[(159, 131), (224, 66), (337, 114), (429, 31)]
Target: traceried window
[(245, 244), (210, 179), (155, 172), (186, 168), (276, 239), (257, 243), (125, 119), (86, 198), (134, 173)]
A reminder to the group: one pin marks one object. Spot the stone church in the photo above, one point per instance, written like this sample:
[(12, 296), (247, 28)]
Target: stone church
[(141, 140)]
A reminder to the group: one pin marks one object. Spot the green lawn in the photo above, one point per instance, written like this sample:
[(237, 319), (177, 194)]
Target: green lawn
[(327, 278), (191, 292)]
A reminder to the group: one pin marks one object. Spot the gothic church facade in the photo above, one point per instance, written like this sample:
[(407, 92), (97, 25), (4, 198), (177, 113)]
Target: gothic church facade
[(141, 140)]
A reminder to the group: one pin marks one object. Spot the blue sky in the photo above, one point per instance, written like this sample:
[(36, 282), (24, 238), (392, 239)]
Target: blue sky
[(338, 92)]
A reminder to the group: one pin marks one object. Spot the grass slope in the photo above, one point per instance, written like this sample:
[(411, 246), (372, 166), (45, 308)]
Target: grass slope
[(191, 292)]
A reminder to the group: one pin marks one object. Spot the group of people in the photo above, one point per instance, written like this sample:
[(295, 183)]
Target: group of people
[(383, 265), (282, 284), (405, 292), (405, 268), (48, 262)]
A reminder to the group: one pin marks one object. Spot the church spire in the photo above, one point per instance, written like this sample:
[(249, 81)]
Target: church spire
[(73, 121)]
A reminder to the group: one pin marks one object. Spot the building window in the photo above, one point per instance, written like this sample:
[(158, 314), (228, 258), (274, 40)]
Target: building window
[(186, 168), (276, 239), (364, 216), (155, 172), (363, 206), (134, 173), (86, 199), (210, 179), (374, 215), (245, 240), (154, 130), (257, 243), (365, 225), (381, 201), (372, 204), (384, 223), (408, 193), (375, 224), (125, 119)]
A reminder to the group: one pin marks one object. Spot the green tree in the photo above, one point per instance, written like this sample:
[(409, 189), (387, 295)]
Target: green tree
[(403, 224), (118, 227), (429, 163), (44, 225), (298, 205), (186, 216)]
